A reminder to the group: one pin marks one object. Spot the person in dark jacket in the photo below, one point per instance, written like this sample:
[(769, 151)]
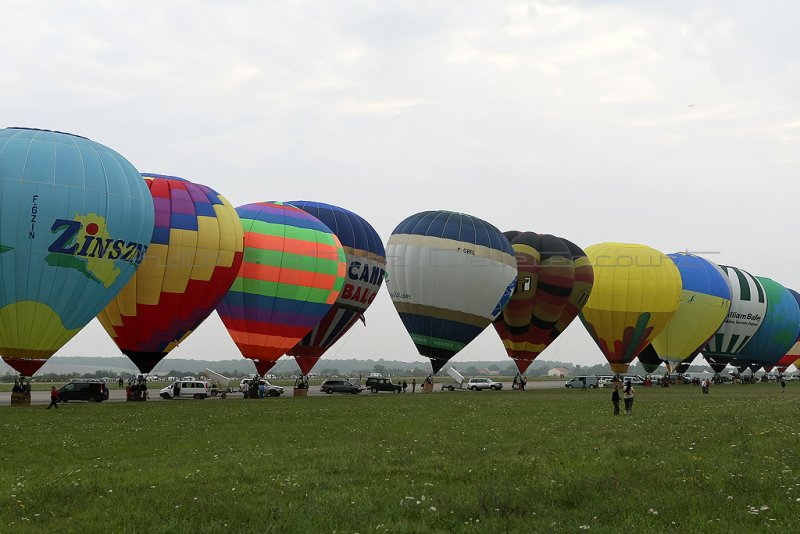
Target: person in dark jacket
[(615, 399)]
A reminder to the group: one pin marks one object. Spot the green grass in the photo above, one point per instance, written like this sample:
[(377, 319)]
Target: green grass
[(538, 461)]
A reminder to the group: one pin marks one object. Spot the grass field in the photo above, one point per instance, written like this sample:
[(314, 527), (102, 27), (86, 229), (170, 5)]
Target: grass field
[(538, 461)]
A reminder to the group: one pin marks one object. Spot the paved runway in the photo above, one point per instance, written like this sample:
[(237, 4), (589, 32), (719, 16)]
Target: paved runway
[(118, 395)]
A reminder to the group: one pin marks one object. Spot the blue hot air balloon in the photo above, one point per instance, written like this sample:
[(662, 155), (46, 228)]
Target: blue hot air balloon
[(366, 263), (75, 222)]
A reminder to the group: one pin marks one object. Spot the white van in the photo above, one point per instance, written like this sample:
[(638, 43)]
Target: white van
[(582, 382), (187, 389)]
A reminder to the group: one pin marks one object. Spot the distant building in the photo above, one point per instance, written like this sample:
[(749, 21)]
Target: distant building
[(557, 371), (486, 372)]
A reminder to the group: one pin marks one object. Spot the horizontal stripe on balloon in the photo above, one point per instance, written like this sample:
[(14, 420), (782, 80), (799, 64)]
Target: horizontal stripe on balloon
[(269, 309), (436, 245), (290, 222), (317, 244), (268, 273), (437, 342), (439, 328), (284, 291), (304, 261), (432, 312), (243, 326)]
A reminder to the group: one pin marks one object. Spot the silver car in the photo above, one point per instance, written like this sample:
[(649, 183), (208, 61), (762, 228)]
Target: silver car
[(477, 383)]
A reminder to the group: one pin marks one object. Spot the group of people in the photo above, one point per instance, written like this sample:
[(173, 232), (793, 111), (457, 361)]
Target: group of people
[(20, 386), (137, 389), (627, 396), (519, 382)]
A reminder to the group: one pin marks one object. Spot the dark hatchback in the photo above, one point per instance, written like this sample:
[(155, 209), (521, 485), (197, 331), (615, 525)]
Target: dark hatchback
[(84, 390), (339, 386)]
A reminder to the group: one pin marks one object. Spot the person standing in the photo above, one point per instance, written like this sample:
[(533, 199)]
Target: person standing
[(413, 385), (615, 399), (523, 381), (628, 397), (405, 385), (53, 398), (783, 385)]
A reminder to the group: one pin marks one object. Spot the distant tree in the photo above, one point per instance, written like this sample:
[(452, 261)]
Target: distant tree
[(472, 370), (379, 368)]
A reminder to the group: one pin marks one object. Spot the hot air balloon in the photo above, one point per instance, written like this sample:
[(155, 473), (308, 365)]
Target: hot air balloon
[(366, 263), (778, 331), (292, 273), (546, 274), (636, 292), (748, 306), (194, 256), (704, 304), (450, 275), (75, 222)]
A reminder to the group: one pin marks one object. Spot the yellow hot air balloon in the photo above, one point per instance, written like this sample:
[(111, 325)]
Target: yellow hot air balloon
[(636, 291)]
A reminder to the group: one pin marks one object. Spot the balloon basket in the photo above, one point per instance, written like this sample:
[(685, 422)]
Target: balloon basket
[(20, 399), (300, 392), (427, 388)]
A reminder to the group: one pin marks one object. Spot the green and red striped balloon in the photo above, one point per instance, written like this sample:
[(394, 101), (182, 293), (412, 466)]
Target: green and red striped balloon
[(293, 271)]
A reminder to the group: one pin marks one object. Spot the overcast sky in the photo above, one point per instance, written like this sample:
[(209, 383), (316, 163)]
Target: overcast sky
[(674, 124)]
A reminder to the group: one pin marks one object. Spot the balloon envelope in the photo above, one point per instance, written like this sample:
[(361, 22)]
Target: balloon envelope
[(366, 264), (748, 306), (292, 272), (636, 292), (779, 330), (704, 304), (75, 222), (546, 274), (194, 256), (449, 276)]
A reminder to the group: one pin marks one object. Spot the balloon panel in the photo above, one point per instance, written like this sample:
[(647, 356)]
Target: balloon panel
[(635, 293), (292, 272), (450, 275), (704, 304), (194, 256), (366, 264), (748, 307), (74, 227)]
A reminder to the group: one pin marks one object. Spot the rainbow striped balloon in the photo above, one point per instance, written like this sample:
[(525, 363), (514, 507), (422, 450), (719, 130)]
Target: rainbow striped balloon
[(293, 271)]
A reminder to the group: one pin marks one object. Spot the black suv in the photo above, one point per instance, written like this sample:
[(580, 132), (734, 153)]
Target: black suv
[(375, 384), (339, 386), (85, 390)]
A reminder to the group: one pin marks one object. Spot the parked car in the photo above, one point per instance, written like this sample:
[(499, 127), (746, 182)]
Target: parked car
[(271, 390), (479, 383), (339, 386), (187, 389), (83, 390), (376, 384), (582, 382)]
